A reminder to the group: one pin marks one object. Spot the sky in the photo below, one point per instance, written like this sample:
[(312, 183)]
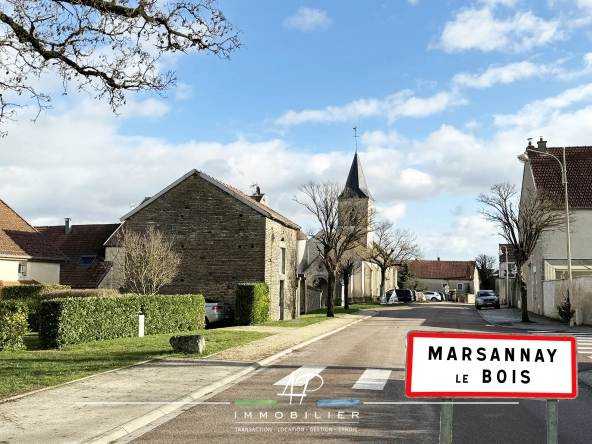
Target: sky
[(444, 95)]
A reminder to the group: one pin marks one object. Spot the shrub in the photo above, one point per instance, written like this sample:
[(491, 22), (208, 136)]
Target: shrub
[(252, 303), (32, 295), (565, 310), (75, 320), (13, 324), (74, 293)]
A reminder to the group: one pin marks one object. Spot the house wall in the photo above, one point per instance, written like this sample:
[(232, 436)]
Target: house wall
[(278, 236), (222, 240), (313, 299), (43, 272), (437, 285), (9, 270)]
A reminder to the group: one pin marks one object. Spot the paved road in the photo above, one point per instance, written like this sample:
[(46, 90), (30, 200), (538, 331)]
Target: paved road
[(366, 363)]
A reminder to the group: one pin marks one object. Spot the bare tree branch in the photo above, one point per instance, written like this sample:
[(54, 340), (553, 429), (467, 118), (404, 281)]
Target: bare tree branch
[(521, 224), (105, 47), (485, 265)]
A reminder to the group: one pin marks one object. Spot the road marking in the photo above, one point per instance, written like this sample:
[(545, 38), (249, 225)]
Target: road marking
[(372, 379), (299, 381), (440, 402)]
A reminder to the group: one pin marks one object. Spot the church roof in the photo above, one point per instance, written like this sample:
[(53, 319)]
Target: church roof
[(356, 182)]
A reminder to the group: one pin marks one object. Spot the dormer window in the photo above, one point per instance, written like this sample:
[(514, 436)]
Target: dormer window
[(86, 261)]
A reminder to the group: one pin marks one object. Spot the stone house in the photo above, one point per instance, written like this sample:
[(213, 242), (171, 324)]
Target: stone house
[(440, 276), (364, 284), (84, 245), (225, 237), (25, 254), (542, 173)]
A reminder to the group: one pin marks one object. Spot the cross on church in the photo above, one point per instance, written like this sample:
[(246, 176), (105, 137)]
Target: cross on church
[(356, 136)]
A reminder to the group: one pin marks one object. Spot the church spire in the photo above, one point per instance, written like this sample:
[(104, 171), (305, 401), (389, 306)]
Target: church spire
[(356, 182)]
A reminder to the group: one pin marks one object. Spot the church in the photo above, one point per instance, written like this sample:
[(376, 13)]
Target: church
[(364, 282)]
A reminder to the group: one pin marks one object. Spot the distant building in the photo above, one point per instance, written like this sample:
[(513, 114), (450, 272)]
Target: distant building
[(461, 276), (83, 244), (25, 254)]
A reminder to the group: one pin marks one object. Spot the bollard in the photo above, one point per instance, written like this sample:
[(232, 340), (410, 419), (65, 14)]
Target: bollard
[(141, 326)]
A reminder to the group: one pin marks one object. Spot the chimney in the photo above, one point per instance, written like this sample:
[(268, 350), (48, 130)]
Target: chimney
[(438, 257), (259, 196), (542, 145), (68, 228)]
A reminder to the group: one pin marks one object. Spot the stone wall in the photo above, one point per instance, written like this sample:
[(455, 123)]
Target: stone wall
[(279, 236), (313, 299), (222, 240)]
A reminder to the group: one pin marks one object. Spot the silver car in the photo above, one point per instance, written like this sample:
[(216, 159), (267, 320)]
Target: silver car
[(432, 296), (214, 312)]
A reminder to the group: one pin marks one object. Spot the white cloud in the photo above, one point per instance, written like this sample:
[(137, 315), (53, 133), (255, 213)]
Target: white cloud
[(413, 2), (392, 213), (483, 28), (393, 107), (183, 91), (308, 19), (500, 74)]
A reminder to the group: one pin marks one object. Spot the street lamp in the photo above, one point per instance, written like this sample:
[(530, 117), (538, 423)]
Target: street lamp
[(507, 273), (524, 158)]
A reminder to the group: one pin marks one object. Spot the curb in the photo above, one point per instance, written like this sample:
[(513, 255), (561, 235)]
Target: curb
[(132, 426)]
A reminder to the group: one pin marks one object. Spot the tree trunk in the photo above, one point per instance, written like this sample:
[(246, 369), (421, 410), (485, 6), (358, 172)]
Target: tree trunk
[(523, 293), (330, 294), (382, 283), (346, 290)]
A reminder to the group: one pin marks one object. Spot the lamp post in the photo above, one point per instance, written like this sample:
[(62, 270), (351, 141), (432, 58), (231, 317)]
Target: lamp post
[(507, 273), (563, 167)]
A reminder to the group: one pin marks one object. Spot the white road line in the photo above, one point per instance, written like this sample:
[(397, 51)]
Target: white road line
[(372, 379), (299, 380)]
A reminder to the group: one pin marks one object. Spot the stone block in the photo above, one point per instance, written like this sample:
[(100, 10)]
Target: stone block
[(188, 344)]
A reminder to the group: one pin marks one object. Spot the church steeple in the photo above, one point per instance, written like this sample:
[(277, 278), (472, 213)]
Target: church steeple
[(356, 186)]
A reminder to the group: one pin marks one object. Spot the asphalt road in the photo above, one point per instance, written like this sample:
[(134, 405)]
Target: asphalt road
[(375, 348)]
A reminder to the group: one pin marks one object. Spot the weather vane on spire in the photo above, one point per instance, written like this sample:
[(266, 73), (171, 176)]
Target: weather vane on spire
[(356, 136)]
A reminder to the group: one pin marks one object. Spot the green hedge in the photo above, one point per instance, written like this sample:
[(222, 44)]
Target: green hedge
[(32, 295), (13, 324), (252, 303), (76, 320), (86, 293)]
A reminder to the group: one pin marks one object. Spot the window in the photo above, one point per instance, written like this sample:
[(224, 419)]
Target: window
[(86, 261), (22, 269), (459, 287), (282, 260)]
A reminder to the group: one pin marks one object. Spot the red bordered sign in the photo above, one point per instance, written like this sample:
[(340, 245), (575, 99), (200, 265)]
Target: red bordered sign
[(490, 366)]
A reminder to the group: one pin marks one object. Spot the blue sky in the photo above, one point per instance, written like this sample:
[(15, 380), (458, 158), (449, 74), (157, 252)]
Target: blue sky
[(444, 95)]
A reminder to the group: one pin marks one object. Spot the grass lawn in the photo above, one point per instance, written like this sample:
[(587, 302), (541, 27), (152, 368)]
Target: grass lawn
[(31, 369), (320, 315)]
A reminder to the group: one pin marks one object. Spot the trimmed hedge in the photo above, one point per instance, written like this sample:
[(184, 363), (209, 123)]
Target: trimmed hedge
[(32, 295), (252, 303), (77, 320), (86, 293), (13, 324)]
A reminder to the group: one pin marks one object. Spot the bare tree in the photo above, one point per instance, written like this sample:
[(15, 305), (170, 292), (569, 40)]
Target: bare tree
[(391, 247), (334, 239), (485, 266), (102, 47), (521, 224), (347, 267), (147, 261)]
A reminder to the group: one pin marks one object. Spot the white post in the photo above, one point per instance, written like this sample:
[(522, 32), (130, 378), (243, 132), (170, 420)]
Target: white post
[(141, 326)]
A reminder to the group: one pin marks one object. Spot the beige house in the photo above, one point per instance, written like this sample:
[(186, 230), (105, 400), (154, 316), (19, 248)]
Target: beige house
[(364, 284), (25, 255), (442, 276), (547, 266), (225, 237)]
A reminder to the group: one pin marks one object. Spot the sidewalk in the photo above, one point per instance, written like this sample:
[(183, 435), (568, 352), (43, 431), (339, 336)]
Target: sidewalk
[(512, 317), (144, 393)]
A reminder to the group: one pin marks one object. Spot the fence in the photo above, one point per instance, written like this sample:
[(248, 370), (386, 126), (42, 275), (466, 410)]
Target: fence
[(581, 296)]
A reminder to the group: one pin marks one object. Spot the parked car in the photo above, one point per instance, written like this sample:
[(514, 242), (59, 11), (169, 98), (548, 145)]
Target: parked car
[(486, 298), (404, 295), (215, 312), (432, 296), (414, 293)]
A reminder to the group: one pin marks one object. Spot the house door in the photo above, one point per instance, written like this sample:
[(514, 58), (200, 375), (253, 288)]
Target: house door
[(281, 307), (302, 288)]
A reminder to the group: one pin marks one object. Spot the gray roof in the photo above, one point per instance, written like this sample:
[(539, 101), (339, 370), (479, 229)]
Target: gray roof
[(356, 182)]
